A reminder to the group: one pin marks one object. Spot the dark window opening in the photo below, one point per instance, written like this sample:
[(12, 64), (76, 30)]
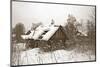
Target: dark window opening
[(40, 37), (45, 32), (28, 32)]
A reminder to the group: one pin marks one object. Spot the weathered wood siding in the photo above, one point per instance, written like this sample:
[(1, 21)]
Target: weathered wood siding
[(59, 35)]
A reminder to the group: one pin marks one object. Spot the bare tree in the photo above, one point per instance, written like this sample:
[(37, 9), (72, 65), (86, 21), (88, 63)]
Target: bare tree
[(91, 25), (19, 30), (70, 27)]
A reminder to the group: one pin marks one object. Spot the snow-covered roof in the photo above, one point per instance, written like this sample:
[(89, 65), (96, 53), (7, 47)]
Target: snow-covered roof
[(44, 32), (41, 33)]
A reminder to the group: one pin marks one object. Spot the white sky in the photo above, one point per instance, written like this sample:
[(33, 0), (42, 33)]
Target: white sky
[(28, 13)]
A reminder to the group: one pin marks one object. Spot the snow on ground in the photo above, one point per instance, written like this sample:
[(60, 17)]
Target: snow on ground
[(36, 56)]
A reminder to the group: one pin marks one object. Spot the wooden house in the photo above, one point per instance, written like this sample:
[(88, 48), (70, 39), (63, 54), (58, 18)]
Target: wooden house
[(46, 37)]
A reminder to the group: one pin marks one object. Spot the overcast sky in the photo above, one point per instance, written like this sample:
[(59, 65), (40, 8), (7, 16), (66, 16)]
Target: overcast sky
[(28, 13)]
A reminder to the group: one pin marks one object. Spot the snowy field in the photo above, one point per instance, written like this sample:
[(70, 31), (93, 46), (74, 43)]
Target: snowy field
[(36, 56)]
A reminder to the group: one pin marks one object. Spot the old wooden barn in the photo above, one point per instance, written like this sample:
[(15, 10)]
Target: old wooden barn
[(52, 36)]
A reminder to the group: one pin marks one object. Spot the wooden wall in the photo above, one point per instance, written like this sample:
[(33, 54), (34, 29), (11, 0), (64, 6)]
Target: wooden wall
[(59, 35)]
